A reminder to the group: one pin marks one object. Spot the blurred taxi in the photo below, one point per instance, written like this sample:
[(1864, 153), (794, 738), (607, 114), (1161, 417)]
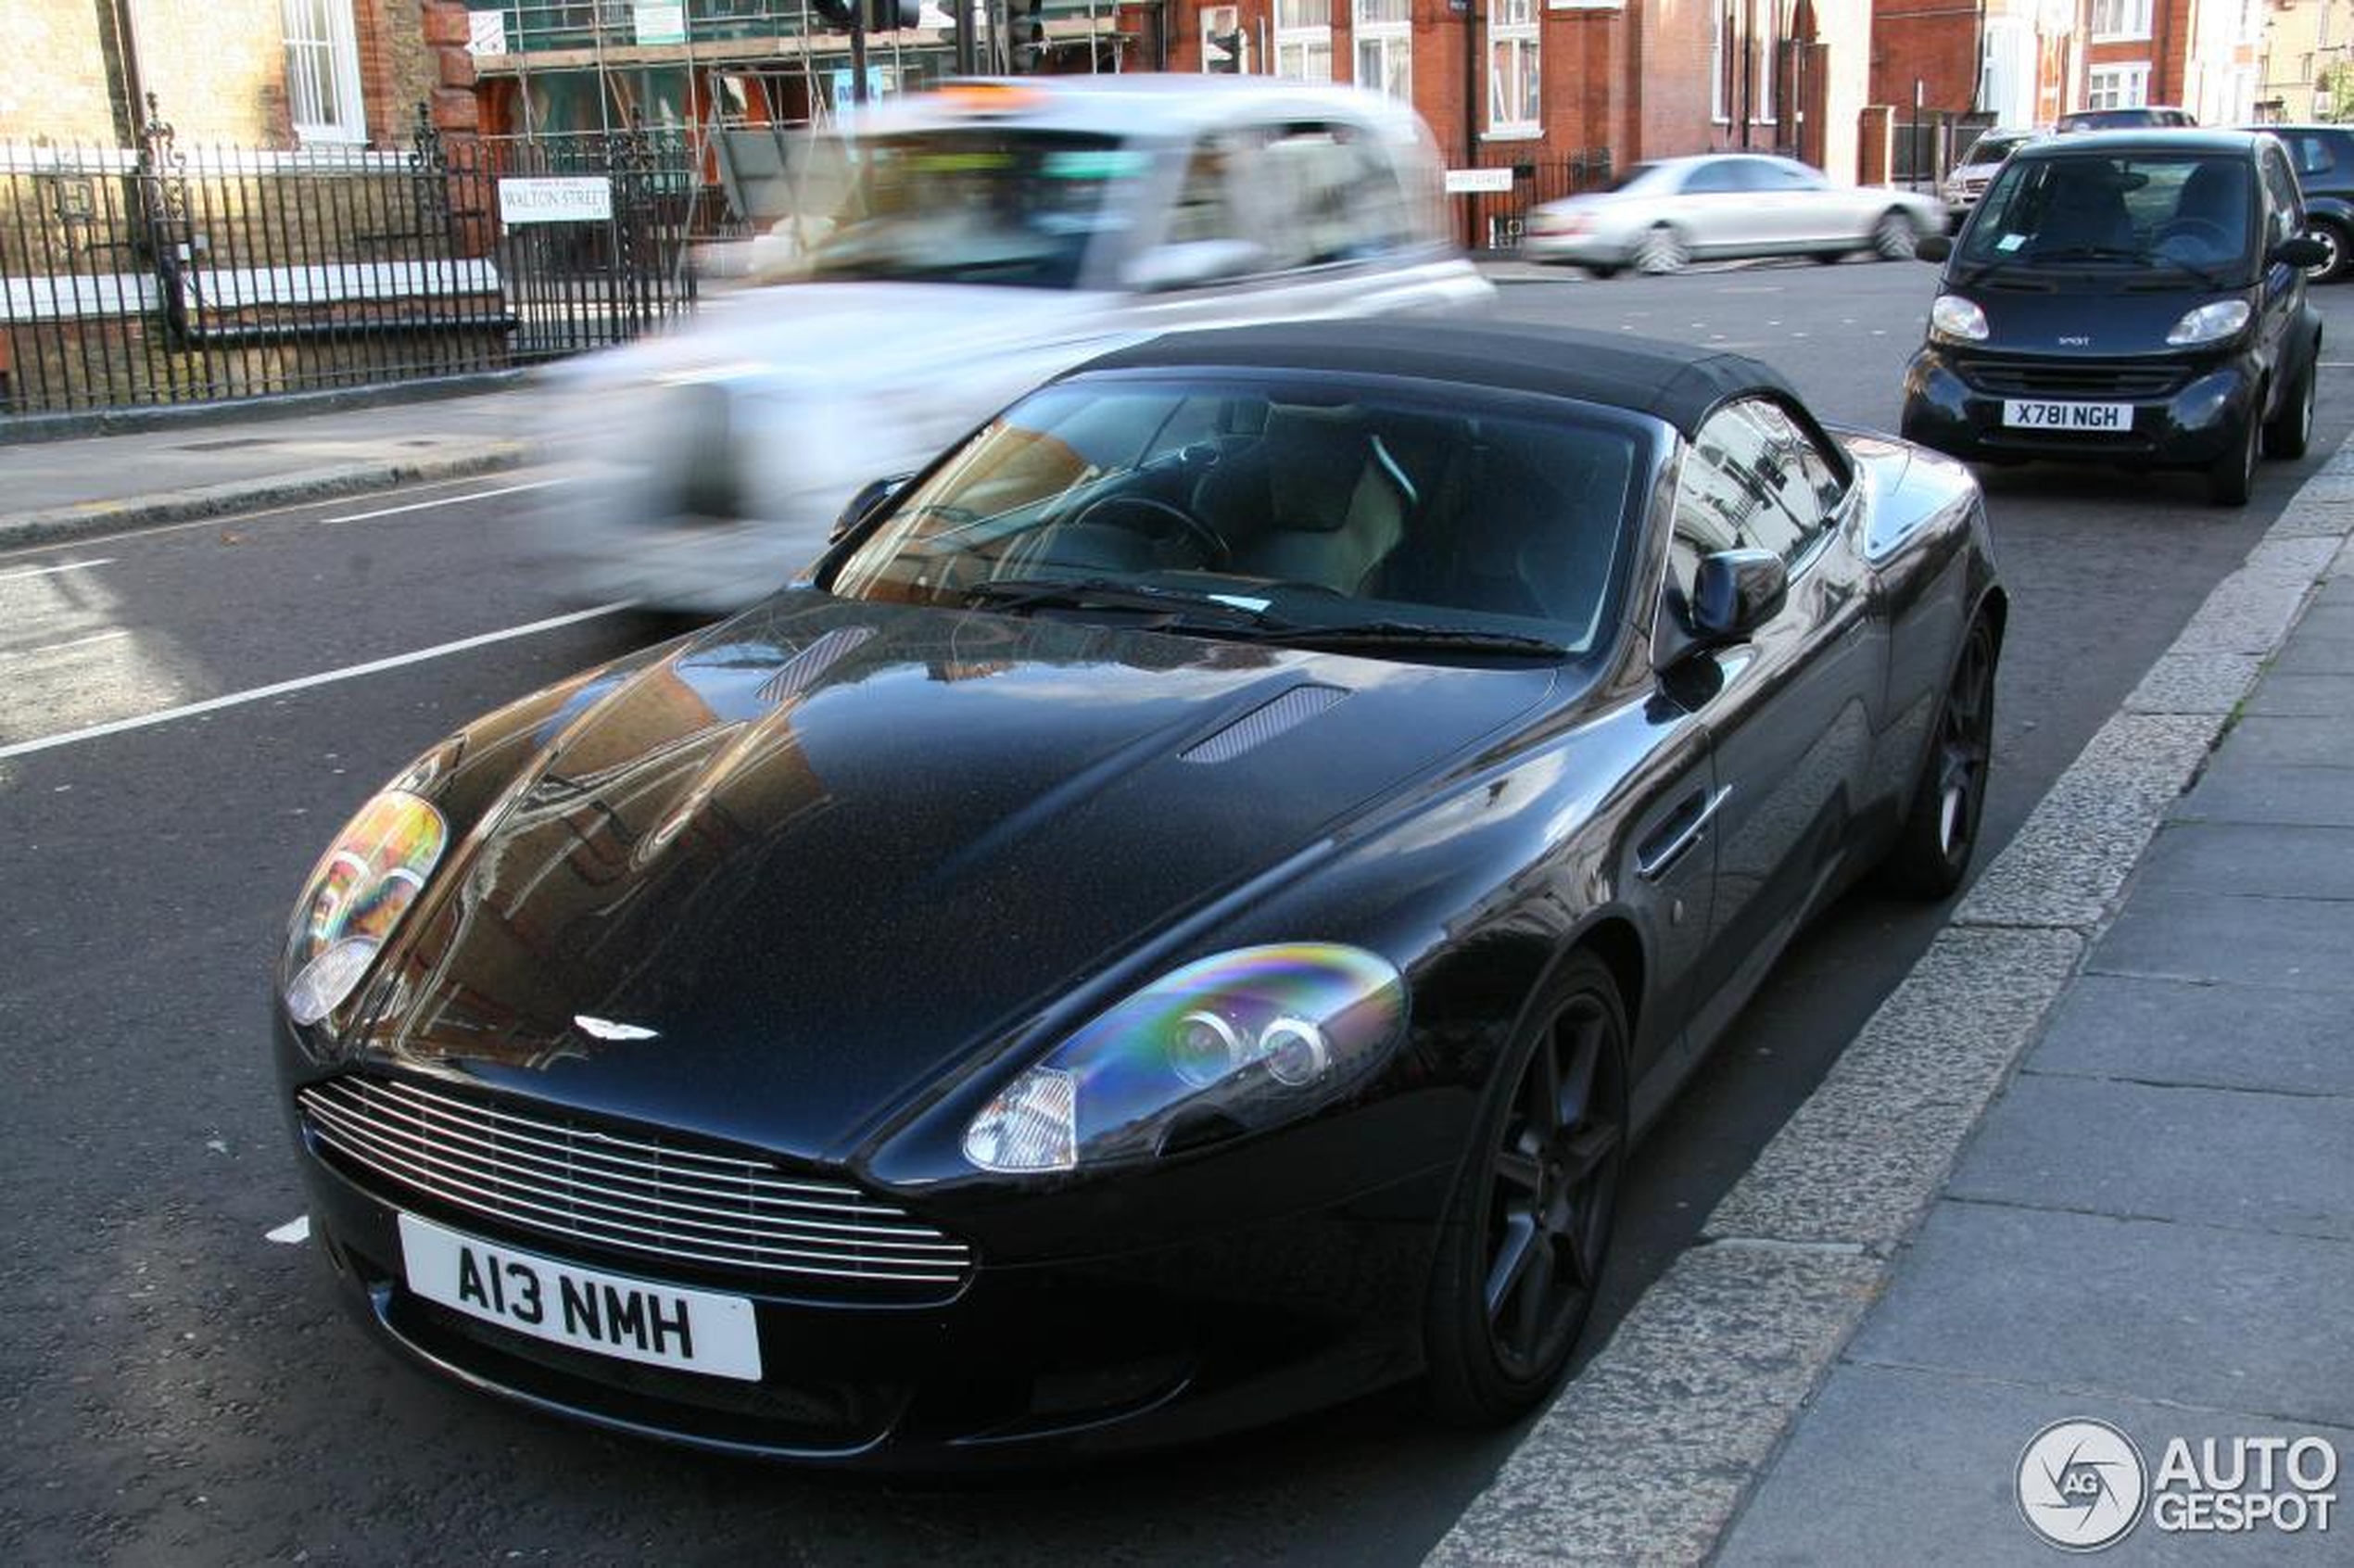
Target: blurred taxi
[(963, 246), (1659, 216)]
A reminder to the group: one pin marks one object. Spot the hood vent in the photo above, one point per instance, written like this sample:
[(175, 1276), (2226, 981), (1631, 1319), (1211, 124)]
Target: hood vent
[(1263, 723), (805, 669)]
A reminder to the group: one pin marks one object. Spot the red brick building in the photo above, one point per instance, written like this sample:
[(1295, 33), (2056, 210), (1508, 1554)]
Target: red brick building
[(253, 73), (1552, 87)]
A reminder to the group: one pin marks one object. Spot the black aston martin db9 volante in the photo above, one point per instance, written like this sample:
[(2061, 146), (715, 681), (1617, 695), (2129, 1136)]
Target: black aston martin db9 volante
[(1172, 921)]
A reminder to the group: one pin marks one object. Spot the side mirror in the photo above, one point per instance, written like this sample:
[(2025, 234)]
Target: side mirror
[(1738, 592), (1932, 248), (1192, 263), (864, 504), (2302, 252)]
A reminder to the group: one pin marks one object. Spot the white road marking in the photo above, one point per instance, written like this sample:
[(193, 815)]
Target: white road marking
[(450, 501), (278, 689), (52, 571), (56, 647), (225, 519), (294, 1232)]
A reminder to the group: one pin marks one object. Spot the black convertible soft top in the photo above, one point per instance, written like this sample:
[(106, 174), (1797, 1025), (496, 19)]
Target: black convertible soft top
[(1678, 383)]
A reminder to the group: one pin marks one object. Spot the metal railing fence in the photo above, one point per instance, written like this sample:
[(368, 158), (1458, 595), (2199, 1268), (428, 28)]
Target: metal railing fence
[(1494, 221), (159, 274)]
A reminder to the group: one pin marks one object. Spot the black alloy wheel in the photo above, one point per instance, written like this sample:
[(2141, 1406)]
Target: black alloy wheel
[(1522, 1261), (2231, 479), (1933, 849)]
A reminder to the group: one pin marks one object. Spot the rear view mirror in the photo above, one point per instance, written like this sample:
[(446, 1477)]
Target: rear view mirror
[(1736, 593), (2302, 252), (1194, 264), (1932, 248), (864, 505)]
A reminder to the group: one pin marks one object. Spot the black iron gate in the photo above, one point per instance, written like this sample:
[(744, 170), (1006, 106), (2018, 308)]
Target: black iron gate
[(163, 275)]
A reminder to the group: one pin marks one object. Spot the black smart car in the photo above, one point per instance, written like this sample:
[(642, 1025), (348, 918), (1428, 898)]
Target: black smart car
[(2136, 297)]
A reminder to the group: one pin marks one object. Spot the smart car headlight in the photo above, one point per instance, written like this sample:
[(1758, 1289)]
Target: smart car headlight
[(1957, 319), (2209, 323), (1228, 1044), (361, 887)]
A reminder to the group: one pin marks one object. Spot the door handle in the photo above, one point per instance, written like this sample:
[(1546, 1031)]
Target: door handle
[(1676, 837)]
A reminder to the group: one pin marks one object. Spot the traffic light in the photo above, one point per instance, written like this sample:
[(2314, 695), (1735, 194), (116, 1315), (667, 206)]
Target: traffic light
[(1026, 32)]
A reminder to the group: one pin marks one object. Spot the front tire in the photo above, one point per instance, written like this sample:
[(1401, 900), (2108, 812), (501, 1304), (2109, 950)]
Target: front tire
[(1660, 252), (1933, 849), (2231, 479), (1605, 271), (1528, 1231), (2289, 432), (1893, 236)]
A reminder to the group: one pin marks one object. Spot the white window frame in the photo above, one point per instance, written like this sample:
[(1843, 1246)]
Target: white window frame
[(1513, 38), (1720, 107), (1383, 30), (1765, 48), (1217, 21), (2123, 20), (1302, 43), (2118, 86), (312, 63)]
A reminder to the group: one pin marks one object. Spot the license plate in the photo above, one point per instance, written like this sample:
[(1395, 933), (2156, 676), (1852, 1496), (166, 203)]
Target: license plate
[(697, 1331), (2023, 415)]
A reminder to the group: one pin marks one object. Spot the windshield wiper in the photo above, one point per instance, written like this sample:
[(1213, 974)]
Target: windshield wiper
[(1025, 593), (1405, 635), (2092, 253)]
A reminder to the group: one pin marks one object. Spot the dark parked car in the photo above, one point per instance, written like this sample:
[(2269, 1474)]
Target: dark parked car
[(1174, 920), (2130, 297), (2144, 117), (2323, 159)]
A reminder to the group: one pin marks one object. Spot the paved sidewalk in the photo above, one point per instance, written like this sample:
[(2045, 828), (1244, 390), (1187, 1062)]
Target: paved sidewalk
[(52, 490), (2154, 1226)]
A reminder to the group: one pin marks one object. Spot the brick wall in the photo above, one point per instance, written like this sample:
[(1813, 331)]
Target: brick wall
[(1933, 41), (54, 86)]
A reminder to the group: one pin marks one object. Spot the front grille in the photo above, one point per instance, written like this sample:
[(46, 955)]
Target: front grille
[(649, 1193), (2061, 378)]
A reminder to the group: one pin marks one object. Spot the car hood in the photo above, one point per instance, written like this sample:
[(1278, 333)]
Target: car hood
[(771, 885), (2089, 316)]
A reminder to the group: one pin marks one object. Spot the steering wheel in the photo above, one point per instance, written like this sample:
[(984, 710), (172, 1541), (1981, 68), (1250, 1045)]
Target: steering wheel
[(1213, 546), (2205, 228)]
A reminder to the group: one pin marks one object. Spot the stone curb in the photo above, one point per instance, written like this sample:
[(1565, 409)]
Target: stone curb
[(1651, 1454), (85, 519)]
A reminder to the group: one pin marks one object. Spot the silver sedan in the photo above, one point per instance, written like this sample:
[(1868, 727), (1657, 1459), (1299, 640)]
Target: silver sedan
[(1659, 216)]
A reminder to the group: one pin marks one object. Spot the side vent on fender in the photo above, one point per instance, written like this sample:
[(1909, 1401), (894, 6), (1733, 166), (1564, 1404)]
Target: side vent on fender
[(1263, 723), (801, 671)]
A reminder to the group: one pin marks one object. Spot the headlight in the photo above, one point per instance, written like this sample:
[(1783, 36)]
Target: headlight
[(2209, 323), (1228, 1044), (363, 885), (1957, 319)]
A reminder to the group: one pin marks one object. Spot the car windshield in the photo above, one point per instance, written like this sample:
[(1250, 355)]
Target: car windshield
[(2126, 209), (1993, 149), (1289, 511), (979, 204)]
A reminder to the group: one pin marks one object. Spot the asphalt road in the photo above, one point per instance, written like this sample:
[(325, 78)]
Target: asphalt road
[(177, 1388)]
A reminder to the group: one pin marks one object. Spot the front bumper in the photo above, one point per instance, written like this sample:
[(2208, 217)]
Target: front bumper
[(1093, 1354), (2190, 425)]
